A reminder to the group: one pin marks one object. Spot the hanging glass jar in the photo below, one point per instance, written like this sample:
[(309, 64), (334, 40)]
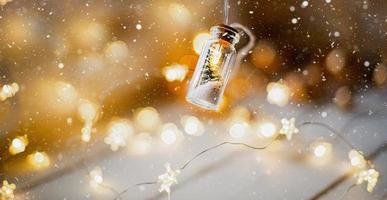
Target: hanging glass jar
[(214, 67)]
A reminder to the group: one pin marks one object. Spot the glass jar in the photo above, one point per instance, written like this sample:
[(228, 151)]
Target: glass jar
[(214, 67)]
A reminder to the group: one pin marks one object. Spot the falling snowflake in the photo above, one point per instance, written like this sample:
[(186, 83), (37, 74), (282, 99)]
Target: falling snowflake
[(371, 176), (6, 191), (168, 179), (289, 128)]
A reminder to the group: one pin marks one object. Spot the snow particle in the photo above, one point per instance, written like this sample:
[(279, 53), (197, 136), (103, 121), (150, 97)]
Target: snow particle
[(304, 4)]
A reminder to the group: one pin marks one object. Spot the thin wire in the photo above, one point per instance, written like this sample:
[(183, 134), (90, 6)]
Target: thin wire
[(194, 158), (332, 130), (221, 144), (348, 190)]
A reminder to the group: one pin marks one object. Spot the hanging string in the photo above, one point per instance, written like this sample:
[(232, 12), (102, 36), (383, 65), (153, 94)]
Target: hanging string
[(225, 11), (244, 51)]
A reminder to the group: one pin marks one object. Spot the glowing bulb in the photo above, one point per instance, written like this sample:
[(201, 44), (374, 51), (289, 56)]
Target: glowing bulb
[(199, 42), (278, 93), (321, 149), (179, 14), (192, 125), (18, 145), (357, 159), (119, 132), (267, 129), (87, 110), (169, 133), (175, 72), (239, 129), (39, 159), (147, 118), (96, 177)]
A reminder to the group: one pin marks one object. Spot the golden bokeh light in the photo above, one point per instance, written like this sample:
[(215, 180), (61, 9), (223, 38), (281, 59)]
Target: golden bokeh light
[(263, 55), (147, 118), (266, 129), (179, 14), (278, 93), (18, 145), (199, 42), (175, 72), (321, 149), (170, 134), (39, 160), (335, 61), (96, 177), (192, 125), (8, 90)]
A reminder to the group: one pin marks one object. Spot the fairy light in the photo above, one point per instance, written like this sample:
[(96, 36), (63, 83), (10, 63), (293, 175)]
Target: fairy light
[(39, 159), (192, 125), (238, 129), (288, 128), (7, 191), (357, 159), (169, 133), (371, 176), (267, 129), (321, 149), (96, 177), (88, 112), (199, 42), (168, 179), (278, 93), (175, 72), (147, 118), (18, 145), (8, 90), (119, 132)]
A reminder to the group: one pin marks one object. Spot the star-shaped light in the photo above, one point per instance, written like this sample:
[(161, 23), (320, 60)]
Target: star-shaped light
[(289, 128), (6, 191), (168, 179), (371, 176)]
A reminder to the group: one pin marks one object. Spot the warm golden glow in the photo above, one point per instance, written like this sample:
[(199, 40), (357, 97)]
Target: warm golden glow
[(117, 51), (357, 159), (239, 130), (39, 159), (278, 93), (335, 61), (147, 118), (118, 132), (267, 129), (8, 90), (18, 145), (199, 42), (179, 14), (170, 133), (321, 149), (7, 191), (96, 177), (175, 72), (192, 125)]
